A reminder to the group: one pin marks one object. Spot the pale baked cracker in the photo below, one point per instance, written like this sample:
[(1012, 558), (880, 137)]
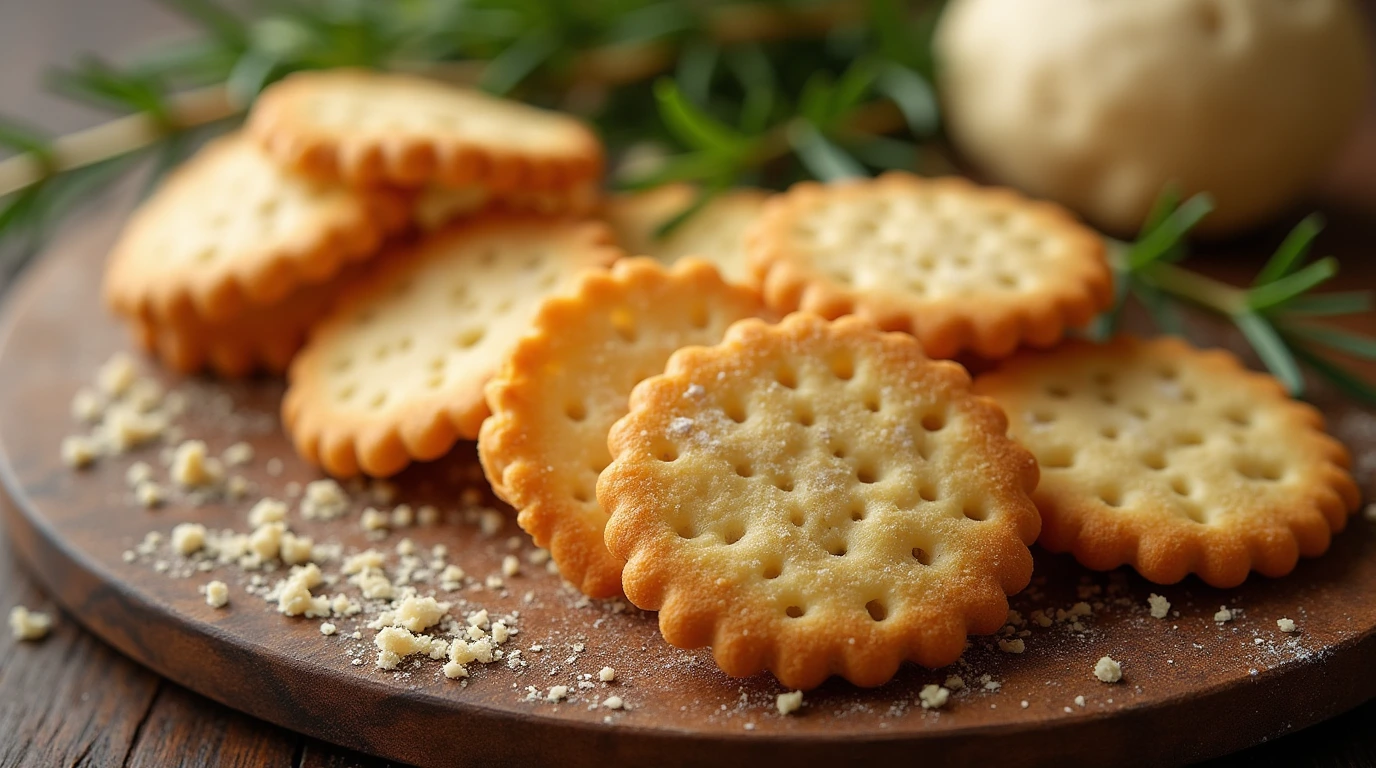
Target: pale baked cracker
[(367, 128), (396, 372), (568, 381), (818, 498), (229, 230), (1173, 460), (716, 232), (962, 267)]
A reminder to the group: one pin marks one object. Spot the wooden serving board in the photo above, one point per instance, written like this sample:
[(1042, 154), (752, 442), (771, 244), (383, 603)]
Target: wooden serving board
[(1192, 688)]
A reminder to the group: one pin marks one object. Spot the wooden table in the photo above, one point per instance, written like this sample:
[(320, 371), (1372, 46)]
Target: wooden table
[(71, 700)]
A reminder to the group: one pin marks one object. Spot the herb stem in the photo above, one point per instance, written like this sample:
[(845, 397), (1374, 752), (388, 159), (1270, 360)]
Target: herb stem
[(1205, 291), (877, 117), (116, 137)]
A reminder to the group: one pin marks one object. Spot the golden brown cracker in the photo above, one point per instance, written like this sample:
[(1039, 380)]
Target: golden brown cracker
[(568, 381), (230, 230), (818, 498), (962, 267), (396, 372), (1173, 460), (368, 128)]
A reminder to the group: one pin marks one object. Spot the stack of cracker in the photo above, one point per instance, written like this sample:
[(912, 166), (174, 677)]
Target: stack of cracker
[(249, 244)]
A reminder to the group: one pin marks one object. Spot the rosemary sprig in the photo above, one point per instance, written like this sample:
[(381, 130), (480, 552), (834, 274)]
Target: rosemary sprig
[(593, 57), (1275, 313)]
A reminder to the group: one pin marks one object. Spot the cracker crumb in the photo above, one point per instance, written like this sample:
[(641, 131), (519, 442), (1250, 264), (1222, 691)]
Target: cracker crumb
[(267, 510), (323, 499), (266, 540), (403, 516), (237, 455), (1286, 625), (188, 538), (29, 625), (1012, 646), (787, 703), (295, 550), (418, 613), (396, 643), (1024, 704), (138, 473), (501, 633), (1223, 614), (192, 467), (1108, 670), (294, 597), (557, 693), (606, 675), (933, 696), (1079, 701), (613, 702), (78, 451), (451, 578), (365, 560), (87, 406), (1160, 606), (510, 566), (216, 594), (149, 495), (374, 520), (116, 375), (955, 682), (327, 629)]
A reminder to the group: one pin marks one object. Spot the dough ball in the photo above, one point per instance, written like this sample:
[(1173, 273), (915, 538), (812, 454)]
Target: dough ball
[(1098, 104)]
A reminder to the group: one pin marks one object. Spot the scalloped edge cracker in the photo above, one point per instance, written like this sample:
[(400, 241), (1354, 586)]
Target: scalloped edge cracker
[(817, 498), (369, 128), (395, 373), (229, 232), (568, 381), (1174, 460), (962, 267)]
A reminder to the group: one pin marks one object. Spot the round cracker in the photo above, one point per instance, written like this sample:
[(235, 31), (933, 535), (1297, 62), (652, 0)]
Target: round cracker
[(229, 229), (367, 127), (818, 498), (961, 267), (396, 372), (1173, 460), (568, 381)]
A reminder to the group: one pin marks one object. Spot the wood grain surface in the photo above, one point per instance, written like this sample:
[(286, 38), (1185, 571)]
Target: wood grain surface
[(72, 700)]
